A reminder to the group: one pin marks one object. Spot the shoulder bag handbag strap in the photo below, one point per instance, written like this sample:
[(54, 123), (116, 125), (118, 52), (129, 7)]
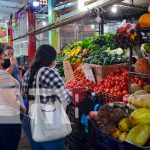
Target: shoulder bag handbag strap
[(37, 93), (37, 90)]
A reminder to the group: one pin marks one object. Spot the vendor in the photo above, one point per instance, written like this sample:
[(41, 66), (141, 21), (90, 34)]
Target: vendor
[(11, 67)]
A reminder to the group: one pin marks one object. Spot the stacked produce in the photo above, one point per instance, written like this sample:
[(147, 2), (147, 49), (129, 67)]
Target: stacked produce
[(116, 83), (127, 36), (99, 49), (79, 74), (136, 127), (84, 83), (142, 64), (76, 51), (124, 124), (109, 116), (108, 56), (144, 20), (140, 97)]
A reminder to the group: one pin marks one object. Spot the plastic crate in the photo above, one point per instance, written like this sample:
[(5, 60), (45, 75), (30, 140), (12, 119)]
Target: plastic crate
[(76, 141), (130, 146), (107, 98), (102, 141), (79, 95)]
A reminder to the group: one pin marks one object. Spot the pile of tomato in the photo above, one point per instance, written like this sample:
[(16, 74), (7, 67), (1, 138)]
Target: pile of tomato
[(84, 83), (116, 83)]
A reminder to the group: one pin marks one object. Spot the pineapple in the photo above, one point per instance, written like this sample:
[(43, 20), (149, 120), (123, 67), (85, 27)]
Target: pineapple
[(142, 65)]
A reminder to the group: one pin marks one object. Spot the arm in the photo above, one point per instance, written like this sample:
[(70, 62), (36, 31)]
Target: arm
[(57, 85), (11, 68)]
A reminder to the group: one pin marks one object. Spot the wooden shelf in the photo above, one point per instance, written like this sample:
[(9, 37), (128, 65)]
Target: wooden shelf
[(140, 74)]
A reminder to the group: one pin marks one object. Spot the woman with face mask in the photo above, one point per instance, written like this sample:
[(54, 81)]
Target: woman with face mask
[(10, 105), (48, 79), (10, 63)]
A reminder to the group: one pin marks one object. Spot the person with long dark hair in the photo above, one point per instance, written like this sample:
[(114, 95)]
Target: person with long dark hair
[(49, 79), (11, 103)]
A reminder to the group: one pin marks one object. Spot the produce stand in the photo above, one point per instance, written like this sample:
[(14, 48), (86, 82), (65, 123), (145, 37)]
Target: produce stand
[(104, 74)]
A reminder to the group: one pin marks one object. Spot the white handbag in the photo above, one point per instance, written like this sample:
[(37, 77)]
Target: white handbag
[(48, 122)]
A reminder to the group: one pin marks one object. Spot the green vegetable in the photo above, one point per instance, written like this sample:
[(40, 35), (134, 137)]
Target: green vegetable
[(104, 54), (146, 48), (106, 61)]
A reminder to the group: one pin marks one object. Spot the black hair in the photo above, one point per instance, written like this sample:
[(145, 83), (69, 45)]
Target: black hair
[(45, 55), (1, 51), (8, 47)]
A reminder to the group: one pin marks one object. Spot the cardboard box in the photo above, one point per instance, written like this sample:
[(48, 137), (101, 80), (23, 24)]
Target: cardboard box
[(68, 71), (102, 71)]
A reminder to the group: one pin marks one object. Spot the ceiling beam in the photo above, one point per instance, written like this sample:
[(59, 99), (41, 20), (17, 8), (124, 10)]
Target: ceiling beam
[(75, 17)]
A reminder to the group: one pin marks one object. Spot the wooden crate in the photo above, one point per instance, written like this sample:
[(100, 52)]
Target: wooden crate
[(68, 71), (102, 71)]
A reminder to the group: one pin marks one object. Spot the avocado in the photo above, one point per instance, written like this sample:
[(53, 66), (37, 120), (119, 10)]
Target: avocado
[(112, 60), (106, 61), (101, 59), (104, 54)]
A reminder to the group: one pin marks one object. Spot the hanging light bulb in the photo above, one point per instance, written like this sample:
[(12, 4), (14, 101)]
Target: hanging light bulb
[(36, 3), (92, 26), (114, 9), (44, 23), (81, 5)]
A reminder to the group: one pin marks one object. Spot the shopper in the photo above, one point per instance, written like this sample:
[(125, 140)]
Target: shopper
[(10, 105), (49, 79), (13, 69)]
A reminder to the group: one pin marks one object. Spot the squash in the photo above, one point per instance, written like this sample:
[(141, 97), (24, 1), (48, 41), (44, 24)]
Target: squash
[(144, 20), (139, 134)]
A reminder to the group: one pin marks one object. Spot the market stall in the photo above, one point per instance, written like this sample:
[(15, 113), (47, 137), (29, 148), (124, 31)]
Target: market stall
[(111, 73)]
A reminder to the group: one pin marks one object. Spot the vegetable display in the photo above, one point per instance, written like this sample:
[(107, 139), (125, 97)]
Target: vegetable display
[(116, 83)]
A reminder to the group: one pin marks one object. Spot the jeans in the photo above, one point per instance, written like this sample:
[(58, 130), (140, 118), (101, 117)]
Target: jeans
[(49, 145), (10, 135)]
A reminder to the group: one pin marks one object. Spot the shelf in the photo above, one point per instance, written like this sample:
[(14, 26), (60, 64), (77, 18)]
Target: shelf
[(145, 29), (140, 75)]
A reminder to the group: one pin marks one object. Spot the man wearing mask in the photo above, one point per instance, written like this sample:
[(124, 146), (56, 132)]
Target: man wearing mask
[(10, 63)]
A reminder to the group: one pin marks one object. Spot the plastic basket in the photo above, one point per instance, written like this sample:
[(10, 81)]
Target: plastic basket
[(130, 146), (94, 136), (102, 141), (79, 95), (107, 98), (76, 141)]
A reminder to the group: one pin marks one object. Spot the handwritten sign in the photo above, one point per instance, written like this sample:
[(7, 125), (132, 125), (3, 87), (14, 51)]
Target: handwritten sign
[(88, 72)]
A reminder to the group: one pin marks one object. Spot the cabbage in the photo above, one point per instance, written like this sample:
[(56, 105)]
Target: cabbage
[(145, 48)]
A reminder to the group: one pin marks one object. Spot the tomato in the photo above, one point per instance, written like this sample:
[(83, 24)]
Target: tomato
[(119, 94), (107, 91), (92, 115), (117, 83), (118, 88), (141, 83), (112, 74), (112, 91), (124, 92)]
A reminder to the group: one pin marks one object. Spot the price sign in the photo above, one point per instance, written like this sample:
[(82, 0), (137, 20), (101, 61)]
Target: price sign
[(88, 72)]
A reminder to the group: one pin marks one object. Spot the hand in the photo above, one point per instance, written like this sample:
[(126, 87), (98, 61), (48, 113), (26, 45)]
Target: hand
[(13, 61)]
